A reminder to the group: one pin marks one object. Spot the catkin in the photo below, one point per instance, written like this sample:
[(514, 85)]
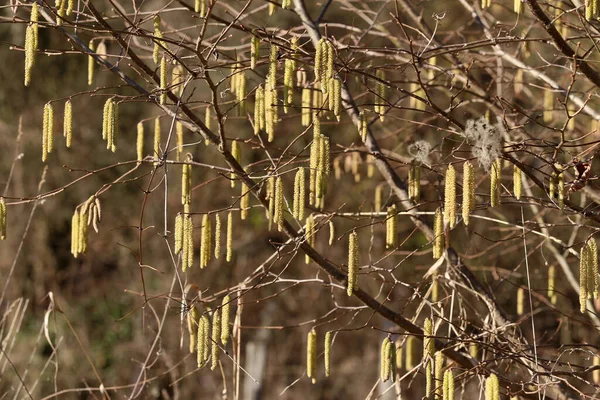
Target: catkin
[(179, 135), (215, 337), (391, 227), (410, 344), (363, 127), (279, 217), (244, 201), (385, 360), (517, 181), (270, 110), (492, 388), (225, 310), (203, 346), (428, 340), (414, 182), (380, 94), (237, 155), (187, 246), (178, 233), (327, 354), (186, 184), (450, 197), (259, 109), (229, 237), (353, 259), (286, 4), (217, 235), (288, 83), (299, 194), (272, 74), (205, 242), (140, 141), (163, 80), (495, 183), (30, 51), (193, 317), (200, 8), (68, 123), (157, 37), (311, 355), (518, 6), (552, 186), (592, 275), (309, 232), (439, 367), (438, 231), (47, 131), (520, 300), (331, 232), (584, 261), (448, 385), (468, 191), (552, 284), (157, 139), (74, 230), (560, 189), (3, 213), (177, 79), (91, 62), (254, 51), (306, 106)]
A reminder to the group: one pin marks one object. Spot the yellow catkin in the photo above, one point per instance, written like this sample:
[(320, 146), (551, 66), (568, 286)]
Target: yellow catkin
[(114, 131), (331, 232), (410, 344), (286, 4), (254, 51), (495, 182), (353, 259), (517, 182), (193, 317), (186, 184), (272, 75), (552, 186), (225, 310), (204, 331), (327, 354), (288, 83), (140, 141), (439, 376), (306, 106), (337, 99), (205, 242), (178, 233), (309, 230), (83, 232), (450, 197), (448, 385), (520, 300), (279, 217), (244, 202), (391, 227), (428, 340), (492, 388), (552, 284), (592, 274), (270, 110), (259, 113), (74, 231), (584, 261), (200, 8), (330, 63), (215, 337), (313, 168), (438, 231), (518, 6), (414, 182), (384, 359), (3, 212), (319, 58), (229, 237), (468, 191), (380, 94), (91, 62), (68, 123), (299, 194), (311, 355), (47, 131), (236, 152), (157, 38), (428, 365), (363, 126), (157, 140), (393, 361), (378, 197), (560, 190), (473, 349), (30, 52), (163, 80), (217, 236), (548, 106), (177, 79), (179, 134), (596, 373)]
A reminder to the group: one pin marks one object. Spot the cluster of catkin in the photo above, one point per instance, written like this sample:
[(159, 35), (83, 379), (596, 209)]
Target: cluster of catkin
[(388, 360), (200, 8), (3, 213), (311, 354), (48, 128), (31, 42), (588, 273), (238, 86), (110, 123), (89, 213), (205, 335), (325, 76), (591, 9), (319, 166), (492, 388)]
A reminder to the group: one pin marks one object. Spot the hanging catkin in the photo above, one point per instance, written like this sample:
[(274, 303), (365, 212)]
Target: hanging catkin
[(311, 355), (299, 194), (205, 241), (68, 123), (225, 310), (450, 197), (438, 231), (215, 337), (353, 260), (3, 213), (327, 354), (468, 191)]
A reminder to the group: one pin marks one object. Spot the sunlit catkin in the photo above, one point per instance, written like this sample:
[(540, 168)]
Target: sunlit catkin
[(518, 6), (414, 182), (380, 94), (163, 80), (391, 227), (428, 340), (448, 385), (495, 182), (492, 388), (178, 233), (384, 359), (353, 259), (186, 184), (439, 376), (438, 231), (592, 274), (206, 241), (468, 195), (517, 182), (200, 8), (140, 141), (288, 83), (229, 237), (306, 106), (299, 194), (3, 220), (91, 62), (331, 232), (259, 109), (203, 346), (193, 317), (552, 284), (450, 197), (409, 347), (47, 131), (272, 74), (157, 38), (244, 201), (68, 123), (30, 51), (236, 152), (215, 337), (309, 232), (74, 229), (311, 355), (560, 190), (254, 51), (584, 262), (225, 310), (327, 354), (279, 217), (520, 300), (157, 140)]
